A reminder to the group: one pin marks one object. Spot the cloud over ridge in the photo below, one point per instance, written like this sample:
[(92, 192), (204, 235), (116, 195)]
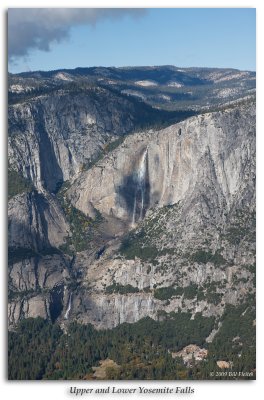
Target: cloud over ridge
[(37, 28)]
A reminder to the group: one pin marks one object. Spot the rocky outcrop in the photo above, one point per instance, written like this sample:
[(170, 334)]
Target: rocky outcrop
[(47, 306), (40, 272), (35, 306), (37, 269), (37, 286), (223, 364), (191, 354), (95, 303), (36, 222)]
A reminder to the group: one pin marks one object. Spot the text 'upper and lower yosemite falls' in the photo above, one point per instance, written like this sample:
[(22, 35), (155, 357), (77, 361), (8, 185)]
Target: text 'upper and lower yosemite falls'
[(140, 390)]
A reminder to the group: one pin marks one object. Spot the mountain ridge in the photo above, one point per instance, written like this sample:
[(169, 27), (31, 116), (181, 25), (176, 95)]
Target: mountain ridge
[(165, 87)]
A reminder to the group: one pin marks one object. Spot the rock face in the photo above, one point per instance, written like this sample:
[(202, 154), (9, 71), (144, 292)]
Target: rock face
[(52, 137), (177, 163), (36, 222), (168, 214), (38, 272), (197, 200), (37, 287), (34, 307)]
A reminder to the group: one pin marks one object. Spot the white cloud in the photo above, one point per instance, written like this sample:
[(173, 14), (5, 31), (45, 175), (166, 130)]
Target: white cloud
[(37, 28)]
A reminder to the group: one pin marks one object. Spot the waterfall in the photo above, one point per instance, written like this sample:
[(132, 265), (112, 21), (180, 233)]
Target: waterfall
[(66, 316), (140, 181)]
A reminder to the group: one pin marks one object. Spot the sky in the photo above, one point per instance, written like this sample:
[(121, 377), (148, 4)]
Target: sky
[(49, 39)]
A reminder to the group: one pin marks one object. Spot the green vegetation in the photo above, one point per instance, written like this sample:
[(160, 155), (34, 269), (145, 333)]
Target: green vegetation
[(122, 289), (18, 254), (30, 348), (154, 224), (82, 226), (113, 145), (190, 291), (16, 98), (14, 295), (165, 293), (144, 253), (236, 234), (214, 298), (251, 268), (144, 242), (17, 184), (133, 246), (79, 224), (39, 350), (241, 226), (200, 294), (238, 321), (211, 294), (236, 339), (239, 102), (202, 256)]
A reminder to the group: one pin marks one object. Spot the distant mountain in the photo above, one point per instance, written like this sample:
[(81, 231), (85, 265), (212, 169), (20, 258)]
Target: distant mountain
[(165, 87)]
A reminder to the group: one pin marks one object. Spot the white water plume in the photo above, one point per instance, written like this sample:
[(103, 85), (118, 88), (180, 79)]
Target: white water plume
[(140, 178), (66, 316)]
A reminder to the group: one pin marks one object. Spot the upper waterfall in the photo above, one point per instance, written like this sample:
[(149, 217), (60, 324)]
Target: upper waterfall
[(140, 178)]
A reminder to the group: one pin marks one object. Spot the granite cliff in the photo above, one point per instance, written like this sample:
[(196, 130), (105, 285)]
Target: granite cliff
[(109, 223), (190, 244)]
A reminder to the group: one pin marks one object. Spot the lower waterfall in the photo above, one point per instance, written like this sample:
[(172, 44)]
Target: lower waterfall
[(66, 316)]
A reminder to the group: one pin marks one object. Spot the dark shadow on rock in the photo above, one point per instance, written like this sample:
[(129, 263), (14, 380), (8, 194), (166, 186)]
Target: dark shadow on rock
[(135, 196), (56, 302), (51, 173)]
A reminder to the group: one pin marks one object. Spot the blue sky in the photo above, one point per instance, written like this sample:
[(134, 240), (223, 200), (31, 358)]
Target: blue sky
[(183, 37)]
